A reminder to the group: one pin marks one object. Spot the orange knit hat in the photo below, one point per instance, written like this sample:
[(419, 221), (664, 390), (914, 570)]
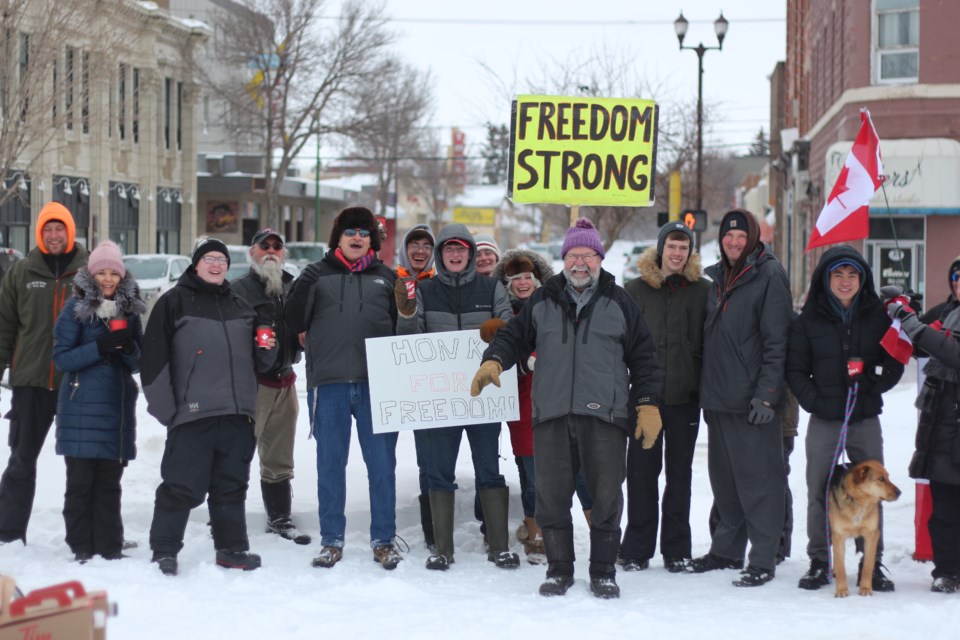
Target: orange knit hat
[(56, 211)]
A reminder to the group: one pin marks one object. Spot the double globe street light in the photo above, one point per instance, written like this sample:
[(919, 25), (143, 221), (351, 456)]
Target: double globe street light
[(720, 26)]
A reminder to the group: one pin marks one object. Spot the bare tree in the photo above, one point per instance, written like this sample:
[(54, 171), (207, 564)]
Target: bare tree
[(53, 57), (430, 177), (392, 111), (302, 74)]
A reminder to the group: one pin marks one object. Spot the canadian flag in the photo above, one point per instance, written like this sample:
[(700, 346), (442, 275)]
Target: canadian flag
[(845, 215), (895, 341)]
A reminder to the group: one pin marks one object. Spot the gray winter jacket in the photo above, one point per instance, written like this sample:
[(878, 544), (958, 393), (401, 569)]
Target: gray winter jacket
[(199, 356), (601, 363), (456, 301), (745, 335)]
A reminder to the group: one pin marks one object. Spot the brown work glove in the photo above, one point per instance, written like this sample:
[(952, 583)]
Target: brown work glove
[(405, 293), (489, 329), (488, 372), (648, 425)]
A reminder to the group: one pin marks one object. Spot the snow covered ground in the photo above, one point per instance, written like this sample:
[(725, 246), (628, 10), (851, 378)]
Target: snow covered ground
[(287, 598)]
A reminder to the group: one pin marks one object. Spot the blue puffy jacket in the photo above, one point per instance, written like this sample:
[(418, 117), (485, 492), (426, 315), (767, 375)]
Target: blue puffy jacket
[(96, 408)]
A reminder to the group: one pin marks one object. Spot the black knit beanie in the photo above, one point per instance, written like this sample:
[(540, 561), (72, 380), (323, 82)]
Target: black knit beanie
[(205, 246)]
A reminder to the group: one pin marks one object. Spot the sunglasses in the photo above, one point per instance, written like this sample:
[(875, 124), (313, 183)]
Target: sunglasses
[(364, 233), (276, 246), (955, 276)]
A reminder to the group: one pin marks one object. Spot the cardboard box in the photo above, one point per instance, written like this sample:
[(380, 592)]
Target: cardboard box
[(60, 612)]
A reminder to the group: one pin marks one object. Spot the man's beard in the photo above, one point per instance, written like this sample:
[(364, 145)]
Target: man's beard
[(271, 272), (580, 279)]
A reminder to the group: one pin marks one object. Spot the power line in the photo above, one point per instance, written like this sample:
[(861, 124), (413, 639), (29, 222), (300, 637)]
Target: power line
[(539, 22)]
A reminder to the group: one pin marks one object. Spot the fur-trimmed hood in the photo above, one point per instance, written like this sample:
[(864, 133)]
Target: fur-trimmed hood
[(650, 272), (541, 267), (91, 303)]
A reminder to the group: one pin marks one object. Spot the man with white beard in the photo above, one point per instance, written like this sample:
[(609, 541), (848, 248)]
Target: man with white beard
[(266, 287)]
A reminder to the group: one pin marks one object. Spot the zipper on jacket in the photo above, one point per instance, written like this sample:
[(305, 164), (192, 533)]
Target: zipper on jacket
[(360, 290), (226, 335), (456, 285), (76, 386), (123, 411), (343, 288)]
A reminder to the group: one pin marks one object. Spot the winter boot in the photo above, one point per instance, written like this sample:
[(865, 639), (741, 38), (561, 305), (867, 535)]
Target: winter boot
[(533, 542), (558, 544), (277, 499), (387, 556), (167, 562), (881, 583), (426, 522), (441, 508), (818, 575), (327, 557), (712, 562), (753, 576), (588, 516), (495, 505), (237, 560), (604, 546), (945, 584)]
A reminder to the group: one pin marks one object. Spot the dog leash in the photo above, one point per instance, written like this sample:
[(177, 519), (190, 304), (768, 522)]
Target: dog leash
[(837, 454)]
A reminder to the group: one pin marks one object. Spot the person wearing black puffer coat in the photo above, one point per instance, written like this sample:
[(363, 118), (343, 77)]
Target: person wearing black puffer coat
[(839, 329)]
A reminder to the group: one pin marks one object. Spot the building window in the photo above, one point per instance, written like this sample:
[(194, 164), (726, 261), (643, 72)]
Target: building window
[(85, 91), (169, 204), (68, 69), (179, 115), (124, 216), (122, 113), (136, 105), (898, 40), (167, 97)]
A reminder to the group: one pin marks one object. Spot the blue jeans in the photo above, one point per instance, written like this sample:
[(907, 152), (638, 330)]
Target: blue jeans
[(443, 445), (528, 484), (335, 403)]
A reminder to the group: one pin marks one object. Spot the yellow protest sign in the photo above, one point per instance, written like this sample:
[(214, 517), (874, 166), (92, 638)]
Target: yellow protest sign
[(582, 151), (475, 216)]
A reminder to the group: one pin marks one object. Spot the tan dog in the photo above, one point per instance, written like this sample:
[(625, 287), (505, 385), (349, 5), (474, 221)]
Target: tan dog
[(855, 495)]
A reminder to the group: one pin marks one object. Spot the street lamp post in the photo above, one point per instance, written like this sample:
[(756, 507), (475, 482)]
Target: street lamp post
[(720, 28)]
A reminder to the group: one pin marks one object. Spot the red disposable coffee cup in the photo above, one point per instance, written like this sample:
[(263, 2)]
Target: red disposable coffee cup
[(118, 323), (411, 289), (854, 367), (264, 333)]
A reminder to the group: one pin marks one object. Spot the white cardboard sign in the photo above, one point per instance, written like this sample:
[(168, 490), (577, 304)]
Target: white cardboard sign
[(422, 381)]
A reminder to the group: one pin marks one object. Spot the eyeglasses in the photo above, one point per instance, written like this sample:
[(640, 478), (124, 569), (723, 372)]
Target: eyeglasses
[(455, 248), (574, 258), (420, 246), (364, 233), (276, 246), (209, 259)]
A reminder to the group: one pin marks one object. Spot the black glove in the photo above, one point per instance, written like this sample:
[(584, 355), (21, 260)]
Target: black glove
[(310, 274), (760, 412), (113, 340)]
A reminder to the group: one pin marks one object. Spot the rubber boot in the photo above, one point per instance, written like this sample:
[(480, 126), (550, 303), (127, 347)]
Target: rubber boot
[(495, 506), (533, 543), (604, 546), (441, 507), (560, 557), (426, 523), (277, 500), (587, 516)]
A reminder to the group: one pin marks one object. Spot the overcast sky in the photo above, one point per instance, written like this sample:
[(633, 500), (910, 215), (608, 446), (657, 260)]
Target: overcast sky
[(517, 38)]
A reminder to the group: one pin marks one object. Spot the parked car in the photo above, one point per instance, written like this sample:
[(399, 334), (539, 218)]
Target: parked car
[(7, 258), (630, 271), (303, 253), (155, 273), (238, 253)]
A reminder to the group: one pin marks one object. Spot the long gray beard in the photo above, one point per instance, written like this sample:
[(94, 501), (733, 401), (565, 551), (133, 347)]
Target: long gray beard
[(272, 275)]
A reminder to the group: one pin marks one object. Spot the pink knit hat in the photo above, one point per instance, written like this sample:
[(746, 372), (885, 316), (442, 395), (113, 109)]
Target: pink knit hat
[(106, 256), (582, 234)]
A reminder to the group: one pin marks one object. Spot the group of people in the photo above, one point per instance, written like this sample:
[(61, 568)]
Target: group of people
[(612, 381)]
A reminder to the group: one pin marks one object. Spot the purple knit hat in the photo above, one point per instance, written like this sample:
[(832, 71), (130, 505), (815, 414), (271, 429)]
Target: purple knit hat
[(582, 234)]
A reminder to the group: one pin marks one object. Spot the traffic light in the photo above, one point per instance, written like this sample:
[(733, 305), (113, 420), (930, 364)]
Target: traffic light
[(695, 219)]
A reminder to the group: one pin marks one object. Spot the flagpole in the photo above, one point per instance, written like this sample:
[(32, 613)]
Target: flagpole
[(893, 228)]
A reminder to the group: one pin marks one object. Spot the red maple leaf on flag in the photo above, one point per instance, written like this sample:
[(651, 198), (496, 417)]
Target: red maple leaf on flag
[(840, 186)]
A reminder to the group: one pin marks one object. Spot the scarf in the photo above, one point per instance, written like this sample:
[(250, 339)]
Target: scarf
[(360, 264)]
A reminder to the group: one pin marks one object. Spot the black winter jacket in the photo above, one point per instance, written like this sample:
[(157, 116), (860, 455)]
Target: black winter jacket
[(674, 308), (820, 346), (745, 334), (200, 359), (269, 310), (339, 312), (598, 364)]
